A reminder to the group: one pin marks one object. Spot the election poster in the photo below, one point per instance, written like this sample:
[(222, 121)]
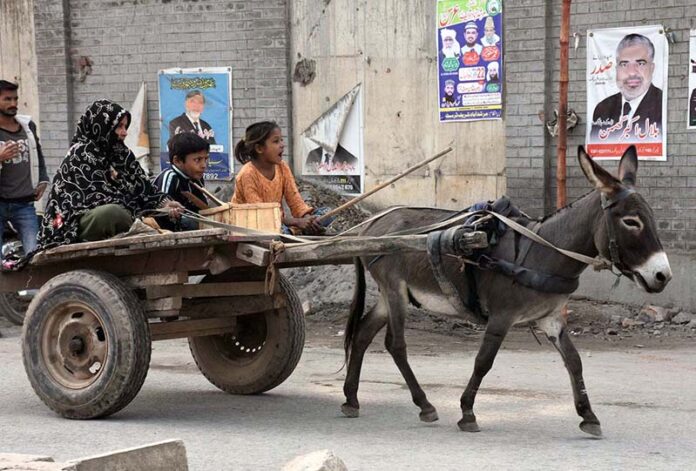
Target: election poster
[(691, 117), (470, 59), (627, 92), (198, 101), (332, 146)]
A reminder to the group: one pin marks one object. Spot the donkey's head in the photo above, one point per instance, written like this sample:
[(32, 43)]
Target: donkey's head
[(628, 233)]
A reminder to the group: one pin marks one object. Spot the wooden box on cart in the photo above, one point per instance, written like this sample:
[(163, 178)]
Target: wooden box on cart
[(264, 217)]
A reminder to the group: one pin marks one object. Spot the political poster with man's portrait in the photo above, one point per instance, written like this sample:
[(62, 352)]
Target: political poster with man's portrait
[(470, 59), (627, 92), (691, 114), (198, 101)]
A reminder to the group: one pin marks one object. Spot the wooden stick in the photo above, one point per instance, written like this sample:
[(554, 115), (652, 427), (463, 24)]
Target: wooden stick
[(196, 201), (212, 196), (355, 201)]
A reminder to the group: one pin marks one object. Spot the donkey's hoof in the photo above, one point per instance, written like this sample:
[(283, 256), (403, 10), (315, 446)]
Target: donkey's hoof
[(593, 429), (428, 416), (468, 425), (350, 411)]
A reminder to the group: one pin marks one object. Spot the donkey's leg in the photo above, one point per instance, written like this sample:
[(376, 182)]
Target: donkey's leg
[(492, 339), (395, 342), (555, 329), (369, 325)]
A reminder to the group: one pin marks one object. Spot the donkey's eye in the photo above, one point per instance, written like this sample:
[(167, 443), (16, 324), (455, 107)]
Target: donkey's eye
[(633, 223)]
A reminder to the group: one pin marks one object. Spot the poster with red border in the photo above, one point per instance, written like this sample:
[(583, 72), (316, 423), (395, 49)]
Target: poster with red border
[(627, 92)]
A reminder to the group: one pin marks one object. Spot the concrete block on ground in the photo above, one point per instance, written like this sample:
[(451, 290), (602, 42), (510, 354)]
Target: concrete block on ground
[(20, 462), (322, 460), (168, 455)]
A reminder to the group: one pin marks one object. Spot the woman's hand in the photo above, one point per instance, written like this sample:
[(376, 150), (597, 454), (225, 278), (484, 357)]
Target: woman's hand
[(175, 209)]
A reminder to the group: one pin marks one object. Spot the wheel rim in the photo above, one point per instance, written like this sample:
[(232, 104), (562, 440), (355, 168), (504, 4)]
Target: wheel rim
[(19, 304), (246, 341), (74, 345)]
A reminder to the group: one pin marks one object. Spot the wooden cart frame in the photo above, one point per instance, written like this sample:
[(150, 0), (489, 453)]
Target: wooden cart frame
[(88, 331)]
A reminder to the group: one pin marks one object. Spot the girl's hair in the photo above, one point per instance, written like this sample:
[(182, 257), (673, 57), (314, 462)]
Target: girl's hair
[(256, 134)]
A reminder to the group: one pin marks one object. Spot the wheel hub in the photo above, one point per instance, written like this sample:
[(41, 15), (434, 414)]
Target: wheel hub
[(74, 345)]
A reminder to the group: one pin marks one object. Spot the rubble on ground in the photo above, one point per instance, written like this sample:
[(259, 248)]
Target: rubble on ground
[(318, 195)]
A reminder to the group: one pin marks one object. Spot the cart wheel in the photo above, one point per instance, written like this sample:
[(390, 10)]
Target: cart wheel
[(86, 344), (13, 307), (260, 354)]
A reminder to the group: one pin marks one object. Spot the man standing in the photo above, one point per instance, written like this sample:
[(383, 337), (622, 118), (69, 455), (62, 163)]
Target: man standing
[(638, 102), (190, 120), (23, 177)]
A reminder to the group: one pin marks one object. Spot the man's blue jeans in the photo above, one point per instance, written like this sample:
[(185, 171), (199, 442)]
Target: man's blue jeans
[(23, 218)]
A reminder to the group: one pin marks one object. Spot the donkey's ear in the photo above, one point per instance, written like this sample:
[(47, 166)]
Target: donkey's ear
[(600, 178), (628, 167)]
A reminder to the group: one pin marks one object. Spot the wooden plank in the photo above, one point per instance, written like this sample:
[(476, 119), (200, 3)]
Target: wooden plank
[(253, 254), (157, 279), (163, 304), (207, 290), (364, 246), (161, 314), (199, 308), (193, 260), (127, 241), (191, 328), (352, 247)]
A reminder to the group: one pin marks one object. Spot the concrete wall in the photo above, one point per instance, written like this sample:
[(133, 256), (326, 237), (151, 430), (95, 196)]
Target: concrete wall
[(17, 52), (128, 41), (389, 47)]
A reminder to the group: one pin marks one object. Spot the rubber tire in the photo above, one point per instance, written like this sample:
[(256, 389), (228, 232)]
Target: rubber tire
[(267, 369), (126, 330), (9, 311)]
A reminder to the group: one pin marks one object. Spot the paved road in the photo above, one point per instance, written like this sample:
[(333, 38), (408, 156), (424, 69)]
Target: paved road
[(645, 400)]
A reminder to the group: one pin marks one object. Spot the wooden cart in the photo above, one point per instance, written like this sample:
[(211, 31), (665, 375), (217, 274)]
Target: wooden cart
[(88, 331)]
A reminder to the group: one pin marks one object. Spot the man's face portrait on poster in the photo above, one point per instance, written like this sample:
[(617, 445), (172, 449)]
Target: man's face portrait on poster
[(449, 90), (471, 35), (194, 105), (634, 69)]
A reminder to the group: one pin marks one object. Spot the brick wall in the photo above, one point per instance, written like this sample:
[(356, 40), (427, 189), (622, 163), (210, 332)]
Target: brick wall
[(670, 187), (129, 41), (54, 83)]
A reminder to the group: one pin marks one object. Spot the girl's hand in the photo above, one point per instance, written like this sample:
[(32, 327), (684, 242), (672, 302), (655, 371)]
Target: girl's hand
[(309, 225)]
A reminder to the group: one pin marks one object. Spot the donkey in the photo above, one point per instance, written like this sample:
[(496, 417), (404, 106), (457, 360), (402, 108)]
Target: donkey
[(612, 221)]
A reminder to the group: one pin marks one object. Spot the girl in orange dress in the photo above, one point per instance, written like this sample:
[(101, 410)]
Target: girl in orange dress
[(265, 178)]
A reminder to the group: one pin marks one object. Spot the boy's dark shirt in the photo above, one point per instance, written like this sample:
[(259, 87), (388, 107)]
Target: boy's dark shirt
[(174, 182)]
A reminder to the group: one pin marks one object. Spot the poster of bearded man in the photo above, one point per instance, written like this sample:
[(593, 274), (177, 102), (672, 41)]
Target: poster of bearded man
[(627, 92)]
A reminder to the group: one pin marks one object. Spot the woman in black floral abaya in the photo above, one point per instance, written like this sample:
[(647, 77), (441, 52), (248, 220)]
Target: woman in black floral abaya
[(99, 188)]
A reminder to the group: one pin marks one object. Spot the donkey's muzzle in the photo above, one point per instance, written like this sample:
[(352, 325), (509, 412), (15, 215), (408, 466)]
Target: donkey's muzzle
[(654, 275)]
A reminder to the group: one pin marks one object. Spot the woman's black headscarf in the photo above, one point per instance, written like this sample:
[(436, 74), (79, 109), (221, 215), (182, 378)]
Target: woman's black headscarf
[(99, 169)]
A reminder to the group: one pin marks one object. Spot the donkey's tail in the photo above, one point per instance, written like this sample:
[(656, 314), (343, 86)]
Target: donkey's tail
[(357, 307)]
